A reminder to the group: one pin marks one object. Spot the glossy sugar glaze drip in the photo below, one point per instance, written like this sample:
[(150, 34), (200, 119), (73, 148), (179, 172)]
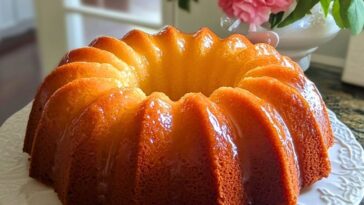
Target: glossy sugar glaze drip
[(263, 126)]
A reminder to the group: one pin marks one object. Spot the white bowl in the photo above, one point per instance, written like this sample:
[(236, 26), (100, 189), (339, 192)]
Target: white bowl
[(300, 39)]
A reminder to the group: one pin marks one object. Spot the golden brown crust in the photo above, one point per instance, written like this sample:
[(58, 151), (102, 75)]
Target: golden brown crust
[(309, 142), (307, 90), (257, 137), (65, 104), (112, 144), (58, 78), (83, 158)]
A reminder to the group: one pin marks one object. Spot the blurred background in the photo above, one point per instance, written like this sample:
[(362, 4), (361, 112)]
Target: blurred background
[(35, 34)]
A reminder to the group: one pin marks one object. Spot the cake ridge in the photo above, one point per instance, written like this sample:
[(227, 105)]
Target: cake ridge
[(124, 52), (293, 119), (92, 54), (223, 150), (288, 143), (156, 128), (251, 108), (51, 128), (230, 53), (172, 44), (58, 78), (307, 90), (201, 44), (83, 137)]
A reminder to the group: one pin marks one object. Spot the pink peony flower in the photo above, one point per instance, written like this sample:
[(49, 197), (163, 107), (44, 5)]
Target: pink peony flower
[(277, 6), (227, 7), (253, 12)]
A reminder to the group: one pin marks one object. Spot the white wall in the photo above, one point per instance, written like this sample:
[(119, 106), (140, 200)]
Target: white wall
[(337, 47), (354, 67), (6, 14), (207, 13), (23, 9), (334, 53), (16, 16)]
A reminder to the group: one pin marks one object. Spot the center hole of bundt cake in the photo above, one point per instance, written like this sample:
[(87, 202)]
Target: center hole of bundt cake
[(176, 81)]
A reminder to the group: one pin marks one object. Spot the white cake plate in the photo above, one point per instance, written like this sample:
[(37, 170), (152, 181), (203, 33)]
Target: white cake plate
[(345, 185)]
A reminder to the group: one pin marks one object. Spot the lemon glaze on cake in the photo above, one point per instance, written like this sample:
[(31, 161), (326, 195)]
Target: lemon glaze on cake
[(176, 118)]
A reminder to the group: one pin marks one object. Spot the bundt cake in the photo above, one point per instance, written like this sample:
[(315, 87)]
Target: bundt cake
[(175, 118)]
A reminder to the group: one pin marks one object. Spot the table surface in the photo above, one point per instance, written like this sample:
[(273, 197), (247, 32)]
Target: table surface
[(345, 100)]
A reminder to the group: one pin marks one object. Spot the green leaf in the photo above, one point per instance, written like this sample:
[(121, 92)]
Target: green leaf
[(344, 7), (325, 4), (303, 7), (275, 19), (184, 4), (337, 15), (356, 16)]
